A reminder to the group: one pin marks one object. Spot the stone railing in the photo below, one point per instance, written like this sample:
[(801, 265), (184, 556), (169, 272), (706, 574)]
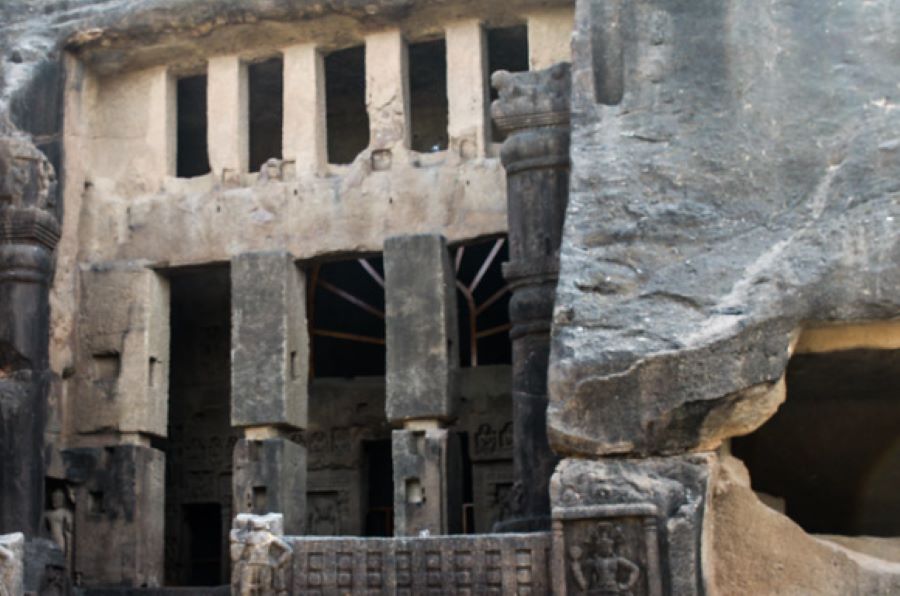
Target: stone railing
[(264, 563)]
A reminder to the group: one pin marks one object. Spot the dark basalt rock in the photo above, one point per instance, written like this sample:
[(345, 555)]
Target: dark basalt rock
[(734, 178)]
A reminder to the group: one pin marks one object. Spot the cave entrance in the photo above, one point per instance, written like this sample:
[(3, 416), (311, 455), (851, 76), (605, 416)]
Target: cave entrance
[(200, 442), (830, 457)]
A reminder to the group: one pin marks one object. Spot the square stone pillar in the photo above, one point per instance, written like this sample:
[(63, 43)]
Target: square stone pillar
[(269, 341), (467, 91), (422, 366), (550, 36), (387, 89), (427, 482), (269, 369), (123, 355), (119, 513), (421, 331), (304, 138), (270, 477), (228, 117)]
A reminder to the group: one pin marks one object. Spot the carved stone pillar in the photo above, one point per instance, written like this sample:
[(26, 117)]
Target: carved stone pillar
[(28, 235), (534, 111)]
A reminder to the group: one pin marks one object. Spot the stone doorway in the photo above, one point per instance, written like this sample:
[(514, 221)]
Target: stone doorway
[(201, 440)]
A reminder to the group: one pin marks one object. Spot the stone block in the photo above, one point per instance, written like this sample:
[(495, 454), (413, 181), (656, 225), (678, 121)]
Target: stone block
[(119, 508), (489, 564), (422, 343), (269, 342), (122, 371), (635, 525), (270, 477), (427, 482), (12, 563)]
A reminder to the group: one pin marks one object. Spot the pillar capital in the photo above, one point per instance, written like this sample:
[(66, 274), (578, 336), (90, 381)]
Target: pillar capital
[(532, 98)]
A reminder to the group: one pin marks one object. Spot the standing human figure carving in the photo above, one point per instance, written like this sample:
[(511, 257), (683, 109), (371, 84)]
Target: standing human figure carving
[(261, 560), (60, 523)]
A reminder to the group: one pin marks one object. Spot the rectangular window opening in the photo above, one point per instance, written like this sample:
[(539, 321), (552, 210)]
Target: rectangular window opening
[(192, 157), (266, 110), (507, 50), (347, 120), (428, 96)]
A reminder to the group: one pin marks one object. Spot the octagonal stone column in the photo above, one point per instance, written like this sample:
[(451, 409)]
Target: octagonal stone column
[(533, 109)]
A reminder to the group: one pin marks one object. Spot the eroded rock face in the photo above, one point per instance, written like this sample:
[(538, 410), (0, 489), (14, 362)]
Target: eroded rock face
[(755, 550), (734, 176)]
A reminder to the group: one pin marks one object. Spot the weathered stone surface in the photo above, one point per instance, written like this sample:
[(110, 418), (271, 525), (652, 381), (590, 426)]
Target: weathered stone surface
[(421, 329), (484, 564), (12, 570), (269, 341), (753, 549), (270, 477), (427, 482), (649, 513), (123, 361), (533, 109), (734, 177), (45, 569), (119, 506)]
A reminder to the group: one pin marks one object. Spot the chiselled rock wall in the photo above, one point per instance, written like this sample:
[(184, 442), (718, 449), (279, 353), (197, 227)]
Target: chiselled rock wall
[(734, 179)]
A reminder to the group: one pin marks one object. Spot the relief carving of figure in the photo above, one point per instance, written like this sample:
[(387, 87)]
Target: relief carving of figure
[(598, 569), (324, 519), (485, 440), (260, 558), (60, 523)]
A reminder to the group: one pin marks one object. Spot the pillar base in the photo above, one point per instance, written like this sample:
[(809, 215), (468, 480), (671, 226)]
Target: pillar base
[(642, 518), (270, 477), (119, 513), (427, 482)]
